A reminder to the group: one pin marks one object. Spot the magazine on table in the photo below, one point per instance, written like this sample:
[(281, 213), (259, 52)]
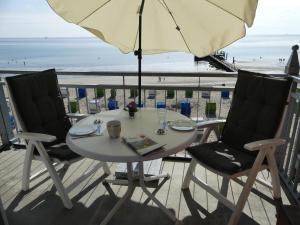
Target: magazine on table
[(141, 144)]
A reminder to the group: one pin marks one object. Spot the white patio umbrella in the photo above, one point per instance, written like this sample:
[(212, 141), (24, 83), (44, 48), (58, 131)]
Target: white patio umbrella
[(199, 27)]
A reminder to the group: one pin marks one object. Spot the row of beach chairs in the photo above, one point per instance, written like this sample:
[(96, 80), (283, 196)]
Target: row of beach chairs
[(185, 105), (170, 94)]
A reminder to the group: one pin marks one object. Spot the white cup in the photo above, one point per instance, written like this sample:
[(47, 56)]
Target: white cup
[(114, 128)]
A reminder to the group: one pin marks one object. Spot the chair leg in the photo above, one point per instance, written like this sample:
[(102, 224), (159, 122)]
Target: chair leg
[(3, 214), (189, 174), (235, 217), (193, 163), (205, 135), (57, 181), (27, 166), (274, 175), (105, 168)]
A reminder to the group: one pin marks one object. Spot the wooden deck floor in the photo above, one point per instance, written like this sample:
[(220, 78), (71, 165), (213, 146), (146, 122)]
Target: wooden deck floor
[(92, 200)]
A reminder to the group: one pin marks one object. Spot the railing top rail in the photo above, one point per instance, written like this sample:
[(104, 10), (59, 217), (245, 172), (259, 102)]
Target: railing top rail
[(128, 73), (152, 87), (295, 78), (149, 87)]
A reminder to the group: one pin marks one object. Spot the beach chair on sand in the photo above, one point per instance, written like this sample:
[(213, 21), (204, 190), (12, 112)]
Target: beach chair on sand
[(39, 109), (170, 94), (151, 94), (248, 140)]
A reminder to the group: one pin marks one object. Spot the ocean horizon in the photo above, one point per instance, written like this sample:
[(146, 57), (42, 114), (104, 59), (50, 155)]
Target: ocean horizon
[(92, 54)]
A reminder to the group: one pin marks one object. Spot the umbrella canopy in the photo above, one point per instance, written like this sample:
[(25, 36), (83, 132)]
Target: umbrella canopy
[(199, 27)]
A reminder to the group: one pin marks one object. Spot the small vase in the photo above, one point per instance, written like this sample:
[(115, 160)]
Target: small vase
[(131, 114)]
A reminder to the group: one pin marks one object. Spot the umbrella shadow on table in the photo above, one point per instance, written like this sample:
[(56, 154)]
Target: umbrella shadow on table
[(47, 209), (220, 216)]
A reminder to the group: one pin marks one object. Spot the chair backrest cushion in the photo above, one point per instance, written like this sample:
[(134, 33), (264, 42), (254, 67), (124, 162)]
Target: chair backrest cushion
[(256, 110), (39, 103)]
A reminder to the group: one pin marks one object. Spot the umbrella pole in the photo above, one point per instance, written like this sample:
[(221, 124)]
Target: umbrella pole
[(139, 53)]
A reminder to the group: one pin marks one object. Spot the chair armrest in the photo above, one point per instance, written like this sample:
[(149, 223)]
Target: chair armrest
[(264, 144), (78, 116), (210, 123), (36, 136)]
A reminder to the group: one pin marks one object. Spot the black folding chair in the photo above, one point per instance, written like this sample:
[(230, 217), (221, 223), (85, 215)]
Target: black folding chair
[(40, 113), (249, 138)]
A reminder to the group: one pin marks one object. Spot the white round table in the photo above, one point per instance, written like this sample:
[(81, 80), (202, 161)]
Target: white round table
[(106, 149), (145, 122)]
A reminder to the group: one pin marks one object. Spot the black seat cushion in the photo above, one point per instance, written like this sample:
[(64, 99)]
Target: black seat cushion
[(61, 152), (39, 103), (222, 157), (256, 109)]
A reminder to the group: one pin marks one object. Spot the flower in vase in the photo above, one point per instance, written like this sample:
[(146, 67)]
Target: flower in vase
[(132, 107)]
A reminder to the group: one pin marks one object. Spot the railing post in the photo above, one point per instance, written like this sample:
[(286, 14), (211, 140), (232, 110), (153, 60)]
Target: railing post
[(124, 92), (291, 68), (287, 156), (5, 129)]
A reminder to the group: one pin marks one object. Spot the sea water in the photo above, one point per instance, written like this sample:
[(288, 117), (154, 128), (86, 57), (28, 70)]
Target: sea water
[(92, 54)]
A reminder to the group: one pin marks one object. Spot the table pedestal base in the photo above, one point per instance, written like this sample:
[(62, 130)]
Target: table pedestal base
[(131, 187)]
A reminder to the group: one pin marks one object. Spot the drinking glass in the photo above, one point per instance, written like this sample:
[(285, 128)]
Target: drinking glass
[(161, 116)]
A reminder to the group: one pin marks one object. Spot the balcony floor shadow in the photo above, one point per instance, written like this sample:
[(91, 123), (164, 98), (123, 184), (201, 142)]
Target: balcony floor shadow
[(92, 200)]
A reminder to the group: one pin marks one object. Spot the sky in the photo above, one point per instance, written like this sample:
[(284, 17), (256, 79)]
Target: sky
[(35, 18)]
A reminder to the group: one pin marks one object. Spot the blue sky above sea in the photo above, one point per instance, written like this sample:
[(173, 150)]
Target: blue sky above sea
[(35, 18)]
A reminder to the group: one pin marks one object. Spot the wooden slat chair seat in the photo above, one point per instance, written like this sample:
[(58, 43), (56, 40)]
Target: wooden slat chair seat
[(249, 137), (38, 106)]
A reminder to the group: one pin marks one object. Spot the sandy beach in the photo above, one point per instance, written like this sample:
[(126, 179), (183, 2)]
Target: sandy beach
[(173, 104), (197, 102)]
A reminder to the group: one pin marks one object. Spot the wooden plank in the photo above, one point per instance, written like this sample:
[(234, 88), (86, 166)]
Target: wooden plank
[(13, 178), (79, 187), (256, 207), (175, 190), (183, 207), (6, 155), (200, 196), (236, 189), (88, 186), (14, 184), (11, 165), (163, 193), (91, 192), (98, 189), (11, 158)]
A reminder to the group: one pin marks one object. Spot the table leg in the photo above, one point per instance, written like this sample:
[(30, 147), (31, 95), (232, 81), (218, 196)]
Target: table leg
[(116, 181), (146, 179), (156, 177), (149, 194), (126, 196)]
